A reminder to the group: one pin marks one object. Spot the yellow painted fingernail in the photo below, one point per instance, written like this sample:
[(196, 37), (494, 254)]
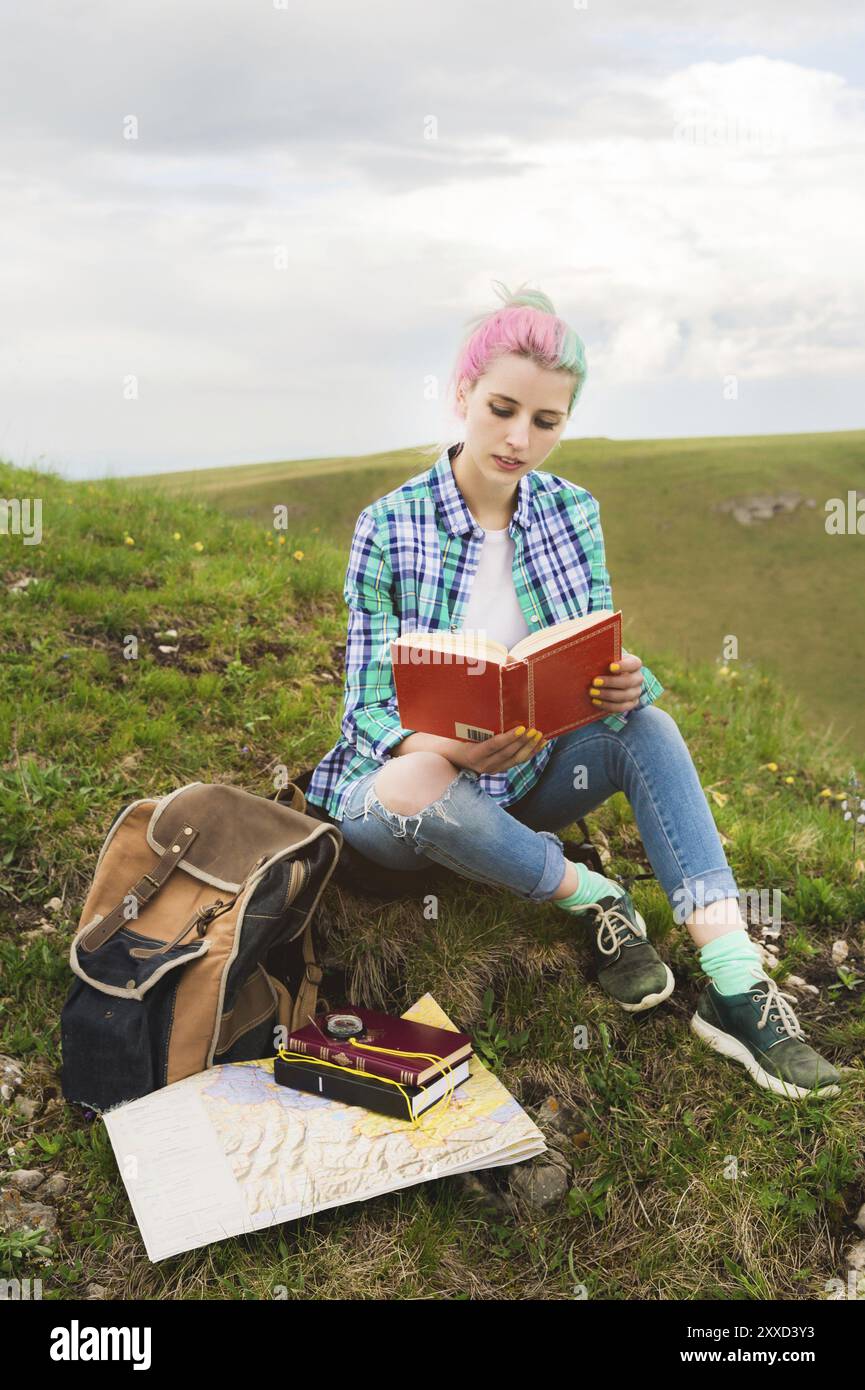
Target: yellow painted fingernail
[(614, 665), (539, 735), (531, 733), (596, 702), (521, 729), (599, 680)]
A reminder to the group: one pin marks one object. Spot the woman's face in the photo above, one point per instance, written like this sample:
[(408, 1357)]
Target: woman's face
[(516, 410)]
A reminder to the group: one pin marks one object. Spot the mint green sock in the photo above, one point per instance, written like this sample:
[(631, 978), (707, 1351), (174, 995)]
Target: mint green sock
[(590, 888), (732, 962)]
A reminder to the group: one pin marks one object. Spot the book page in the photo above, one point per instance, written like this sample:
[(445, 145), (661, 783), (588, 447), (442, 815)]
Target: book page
[(467, 643), (539, 641)]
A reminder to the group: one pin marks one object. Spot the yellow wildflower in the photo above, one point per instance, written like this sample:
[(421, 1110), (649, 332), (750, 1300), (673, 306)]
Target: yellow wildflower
[(316, 528), (826, 792), (770, 767), (298, 555), (723, 670), (789, 779), (282, 540), (129, 540), (176, 536), (197, 545)]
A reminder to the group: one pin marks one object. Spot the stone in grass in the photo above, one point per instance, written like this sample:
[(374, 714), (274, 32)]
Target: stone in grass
[(55, 1186), (26, 1107), (18, 1215), (11, 1077), (541, 1182), (24, 1179), (855, 1256)]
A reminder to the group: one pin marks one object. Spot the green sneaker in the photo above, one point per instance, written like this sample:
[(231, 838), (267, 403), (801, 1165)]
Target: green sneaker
[(629, 968), (760, 1030)]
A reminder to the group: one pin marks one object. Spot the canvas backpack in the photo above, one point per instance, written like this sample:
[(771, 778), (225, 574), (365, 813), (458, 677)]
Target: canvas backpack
[(196, 939)]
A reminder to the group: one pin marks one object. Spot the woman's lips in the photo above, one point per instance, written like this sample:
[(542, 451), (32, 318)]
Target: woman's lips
[(503, 463)]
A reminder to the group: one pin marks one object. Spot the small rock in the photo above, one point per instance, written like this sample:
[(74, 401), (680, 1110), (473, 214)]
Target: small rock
[(26, 1107), (169, 649), (840, 951), (16, 1214), (563, 1127), (54, 1187), (796, 982), (54, 905), (11, 1077), (859, 1218), (541, 1183), (25, 1179), (855, 1256), (94, 1291)]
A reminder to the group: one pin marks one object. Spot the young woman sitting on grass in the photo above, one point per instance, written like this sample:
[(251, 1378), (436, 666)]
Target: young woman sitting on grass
[(486, 540)]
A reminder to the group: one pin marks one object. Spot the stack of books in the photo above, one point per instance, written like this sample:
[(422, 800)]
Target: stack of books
[(355, 1072)]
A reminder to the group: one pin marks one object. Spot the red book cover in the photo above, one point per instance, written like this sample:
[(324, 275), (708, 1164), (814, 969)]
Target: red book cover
[(470, 698), (384, 1030)]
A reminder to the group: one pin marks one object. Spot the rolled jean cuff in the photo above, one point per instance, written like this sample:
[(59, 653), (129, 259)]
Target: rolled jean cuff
[(554, 867), (700, 890)]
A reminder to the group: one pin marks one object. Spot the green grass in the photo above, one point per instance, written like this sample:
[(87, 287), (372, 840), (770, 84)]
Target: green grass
[(684, 575), (256, 683)]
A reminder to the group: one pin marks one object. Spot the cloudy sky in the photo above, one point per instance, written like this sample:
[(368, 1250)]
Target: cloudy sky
[(255, 229)]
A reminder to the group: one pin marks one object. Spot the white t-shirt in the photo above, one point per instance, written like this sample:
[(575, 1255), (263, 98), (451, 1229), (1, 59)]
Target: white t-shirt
[(492, 607)]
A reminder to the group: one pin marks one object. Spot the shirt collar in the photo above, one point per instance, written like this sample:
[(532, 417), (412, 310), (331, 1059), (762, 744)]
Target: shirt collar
[(452, 505)]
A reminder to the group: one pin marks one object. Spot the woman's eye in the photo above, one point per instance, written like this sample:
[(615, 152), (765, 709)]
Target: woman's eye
[(545, 425)]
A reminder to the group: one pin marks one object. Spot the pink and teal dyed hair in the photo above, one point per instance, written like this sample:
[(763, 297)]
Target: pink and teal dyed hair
[(527, 325)]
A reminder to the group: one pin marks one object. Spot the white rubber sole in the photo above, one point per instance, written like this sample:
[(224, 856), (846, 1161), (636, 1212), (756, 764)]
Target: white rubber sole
[(730, 1047), (651, 999)]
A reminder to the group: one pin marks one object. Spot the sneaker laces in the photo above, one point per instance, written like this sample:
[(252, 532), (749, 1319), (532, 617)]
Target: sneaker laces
[(774, 999), (615, 926)]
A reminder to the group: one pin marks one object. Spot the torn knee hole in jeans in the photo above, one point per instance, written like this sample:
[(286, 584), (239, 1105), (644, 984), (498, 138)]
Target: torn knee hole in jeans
[(436, 808)]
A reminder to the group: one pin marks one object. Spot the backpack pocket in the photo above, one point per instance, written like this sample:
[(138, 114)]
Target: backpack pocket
[(116, 1022)]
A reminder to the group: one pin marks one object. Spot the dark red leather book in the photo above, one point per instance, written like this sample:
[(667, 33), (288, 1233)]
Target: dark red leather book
[(384, 1030), (460, 685)]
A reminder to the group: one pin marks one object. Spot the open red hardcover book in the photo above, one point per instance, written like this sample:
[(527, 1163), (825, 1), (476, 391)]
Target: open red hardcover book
[(463, 685)]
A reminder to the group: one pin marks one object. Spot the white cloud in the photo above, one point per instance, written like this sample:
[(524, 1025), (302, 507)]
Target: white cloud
[(691, 220)]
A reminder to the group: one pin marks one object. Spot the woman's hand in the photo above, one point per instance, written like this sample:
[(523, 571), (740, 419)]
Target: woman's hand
[(500, 752), (619, 691)]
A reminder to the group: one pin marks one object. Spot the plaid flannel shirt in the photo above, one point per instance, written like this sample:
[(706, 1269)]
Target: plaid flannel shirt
[(413, 556)]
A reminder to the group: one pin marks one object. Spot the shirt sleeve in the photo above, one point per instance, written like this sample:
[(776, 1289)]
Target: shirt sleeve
[(601, 596), (370, 719)]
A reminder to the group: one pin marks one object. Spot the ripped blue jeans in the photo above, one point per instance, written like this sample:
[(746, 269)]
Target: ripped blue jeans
[(515, 847)]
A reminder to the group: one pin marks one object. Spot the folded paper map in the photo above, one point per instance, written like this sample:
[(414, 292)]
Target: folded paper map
[(229, 1151)]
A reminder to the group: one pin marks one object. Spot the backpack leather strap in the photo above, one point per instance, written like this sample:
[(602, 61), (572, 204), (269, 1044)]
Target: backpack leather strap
[(146, 888)]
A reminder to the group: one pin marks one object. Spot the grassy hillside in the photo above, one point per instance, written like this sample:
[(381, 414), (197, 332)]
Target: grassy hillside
[(684, 575), (256, 681)]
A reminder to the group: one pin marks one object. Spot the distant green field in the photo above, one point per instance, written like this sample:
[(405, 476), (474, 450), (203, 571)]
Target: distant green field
[(684, 576)]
